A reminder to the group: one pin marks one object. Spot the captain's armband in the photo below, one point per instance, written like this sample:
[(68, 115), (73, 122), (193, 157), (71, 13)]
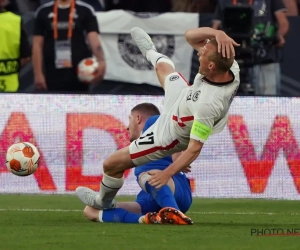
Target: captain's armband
[(201, 130)]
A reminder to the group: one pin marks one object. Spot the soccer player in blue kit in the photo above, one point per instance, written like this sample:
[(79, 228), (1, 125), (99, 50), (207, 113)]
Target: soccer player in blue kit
[(152, 206)]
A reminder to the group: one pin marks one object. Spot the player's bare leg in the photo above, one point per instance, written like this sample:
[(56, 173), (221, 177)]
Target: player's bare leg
[(162, 64)]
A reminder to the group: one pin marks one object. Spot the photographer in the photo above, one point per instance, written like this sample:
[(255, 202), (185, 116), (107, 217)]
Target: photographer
[(270, 25)]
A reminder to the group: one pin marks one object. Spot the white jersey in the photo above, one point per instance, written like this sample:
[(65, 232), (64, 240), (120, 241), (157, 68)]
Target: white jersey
[(203, 106), (195, 112)]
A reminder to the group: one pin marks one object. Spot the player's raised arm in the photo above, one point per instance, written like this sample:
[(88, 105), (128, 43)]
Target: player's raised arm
[(204, 119), (197, 38)]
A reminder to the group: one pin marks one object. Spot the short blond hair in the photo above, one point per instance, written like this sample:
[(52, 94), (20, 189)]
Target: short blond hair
[(223, 63)]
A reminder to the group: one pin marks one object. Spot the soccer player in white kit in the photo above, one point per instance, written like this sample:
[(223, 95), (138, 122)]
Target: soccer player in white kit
[(189, 116)]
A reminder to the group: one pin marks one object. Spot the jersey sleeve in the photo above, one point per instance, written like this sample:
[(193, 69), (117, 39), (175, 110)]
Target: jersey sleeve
[(278, 6), (39, 25), (218, 13), (235, 68), (91, 22), (204, 120)]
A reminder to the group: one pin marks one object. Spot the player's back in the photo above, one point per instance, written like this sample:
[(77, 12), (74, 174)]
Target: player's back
[(160, 164)]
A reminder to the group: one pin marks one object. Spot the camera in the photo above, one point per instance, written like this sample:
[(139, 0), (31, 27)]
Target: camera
[(256, 39)]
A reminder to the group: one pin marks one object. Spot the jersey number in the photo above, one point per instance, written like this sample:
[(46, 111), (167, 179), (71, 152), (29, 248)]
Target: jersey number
[(148, 139), (2, 85)]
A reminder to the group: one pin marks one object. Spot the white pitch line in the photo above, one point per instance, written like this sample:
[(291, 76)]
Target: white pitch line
[(192, 212), (244, 213)]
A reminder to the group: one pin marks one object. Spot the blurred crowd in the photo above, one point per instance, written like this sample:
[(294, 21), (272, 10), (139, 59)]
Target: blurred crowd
[(61, 43), (207, 6), (196, 6)]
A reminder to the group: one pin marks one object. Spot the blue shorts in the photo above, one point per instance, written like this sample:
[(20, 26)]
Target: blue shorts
[(183, 196)]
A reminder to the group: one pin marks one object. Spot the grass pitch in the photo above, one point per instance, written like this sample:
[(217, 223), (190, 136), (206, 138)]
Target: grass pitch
[(30, 222)]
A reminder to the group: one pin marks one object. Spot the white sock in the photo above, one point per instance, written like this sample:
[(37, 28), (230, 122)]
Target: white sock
[(100, 215), (154, 57), (109, 187), (141, 219)]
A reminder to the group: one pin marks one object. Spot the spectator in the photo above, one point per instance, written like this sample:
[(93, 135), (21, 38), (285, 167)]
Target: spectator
[(14, 50), (60, 42), (292, 7), (157, 6), (27, 5), (42, 2), (269, 14), (98, 5), (12, 6), (194, 6), (133, 5)]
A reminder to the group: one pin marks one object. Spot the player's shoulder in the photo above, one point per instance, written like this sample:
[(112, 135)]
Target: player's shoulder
[(44, 8), (13, 15), (151, 120), (235, 68), (85, 7)]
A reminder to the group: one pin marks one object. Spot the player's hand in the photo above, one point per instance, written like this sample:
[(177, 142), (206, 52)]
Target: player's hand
[(187, 169), (99, 72), (40, 82), (226, 44), (159, 178), (281, 41)]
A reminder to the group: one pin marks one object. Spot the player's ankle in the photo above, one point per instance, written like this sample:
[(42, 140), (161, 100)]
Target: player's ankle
[(150, 53), (158, 59)]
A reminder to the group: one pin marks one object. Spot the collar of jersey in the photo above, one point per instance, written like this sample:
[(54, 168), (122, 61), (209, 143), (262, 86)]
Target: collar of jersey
[(64, 6), (219, 84)]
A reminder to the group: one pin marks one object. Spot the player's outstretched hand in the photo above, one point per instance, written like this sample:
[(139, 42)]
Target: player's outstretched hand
[(159, 178), (226, 44)]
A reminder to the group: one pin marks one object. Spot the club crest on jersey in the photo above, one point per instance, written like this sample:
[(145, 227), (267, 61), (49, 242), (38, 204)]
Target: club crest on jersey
[(196, 95), (189, 97), (174, 78)]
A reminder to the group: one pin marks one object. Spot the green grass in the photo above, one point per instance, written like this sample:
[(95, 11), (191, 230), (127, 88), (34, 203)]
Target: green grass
[(218, 224)]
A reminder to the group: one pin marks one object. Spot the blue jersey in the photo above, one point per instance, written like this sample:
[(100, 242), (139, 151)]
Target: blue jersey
[(160, 164)]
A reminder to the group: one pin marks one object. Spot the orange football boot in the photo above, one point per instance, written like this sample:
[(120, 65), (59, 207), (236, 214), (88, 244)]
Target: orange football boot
[(171, 215), (152, 218)]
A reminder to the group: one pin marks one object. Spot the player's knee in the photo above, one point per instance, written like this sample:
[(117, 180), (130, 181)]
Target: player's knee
[(118, 163), (143, 178), (112, 169), (91, 214), (107, 166)]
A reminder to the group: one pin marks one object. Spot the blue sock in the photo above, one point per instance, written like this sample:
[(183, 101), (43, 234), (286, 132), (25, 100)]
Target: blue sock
[(120, 215), (163, 196)]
